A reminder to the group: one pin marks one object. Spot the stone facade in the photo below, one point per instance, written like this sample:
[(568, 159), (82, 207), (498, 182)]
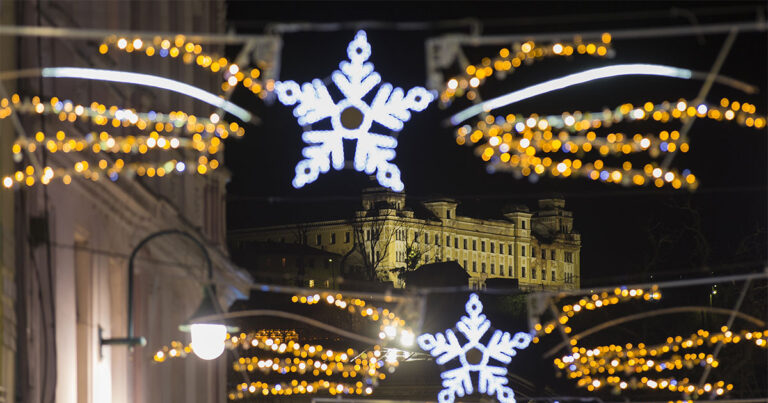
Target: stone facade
[(538, 248)]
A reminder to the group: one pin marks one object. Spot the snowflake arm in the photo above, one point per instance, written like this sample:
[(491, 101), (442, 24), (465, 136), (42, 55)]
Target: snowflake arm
[(502, 345), (358, 78), (390, 107), (444, 348), (476, 324), (314, 101), (458, 382)]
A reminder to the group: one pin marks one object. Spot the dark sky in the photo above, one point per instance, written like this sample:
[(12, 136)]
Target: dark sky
[(628, 234)]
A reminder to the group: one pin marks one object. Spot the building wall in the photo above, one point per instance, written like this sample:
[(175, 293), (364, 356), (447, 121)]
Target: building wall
[(8, 322), (485, 248), (74, 269)]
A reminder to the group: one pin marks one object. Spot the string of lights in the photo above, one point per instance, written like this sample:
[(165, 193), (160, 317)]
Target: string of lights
[(207, 136), (507, 61), (110, 169), (190, 52), (307, 359), (104, 142), (390, 325), (512, 142), (617, 366), (102, 115)]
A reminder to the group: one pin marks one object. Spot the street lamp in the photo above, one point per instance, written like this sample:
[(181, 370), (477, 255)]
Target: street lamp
[(208, 336)]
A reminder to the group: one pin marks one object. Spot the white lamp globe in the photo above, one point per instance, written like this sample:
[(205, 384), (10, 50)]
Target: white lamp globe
[(208, 340)]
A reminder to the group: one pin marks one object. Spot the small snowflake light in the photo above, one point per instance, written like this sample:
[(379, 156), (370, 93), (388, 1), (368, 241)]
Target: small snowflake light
[(474, 356), (351, 118)]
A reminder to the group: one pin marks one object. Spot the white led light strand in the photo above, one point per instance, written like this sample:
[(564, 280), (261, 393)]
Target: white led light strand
[(150, 81), (571, 80), (474, 356), (351, 118)]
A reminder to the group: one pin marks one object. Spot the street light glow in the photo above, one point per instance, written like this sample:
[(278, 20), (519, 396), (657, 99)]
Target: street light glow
[(208, 340)]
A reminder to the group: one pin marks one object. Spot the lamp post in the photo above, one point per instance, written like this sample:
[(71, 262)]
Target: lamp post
[(208, 336)]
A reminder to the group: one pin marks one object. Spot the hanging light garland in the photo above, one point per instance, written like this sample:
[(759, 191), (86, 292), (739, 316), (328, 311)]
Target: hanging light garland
[(516, 142), (206, 138), (110, 169), (508, 60), (105, 142), (617, 366), (307, 359), (102, 115), (390, 325), (190, 52)]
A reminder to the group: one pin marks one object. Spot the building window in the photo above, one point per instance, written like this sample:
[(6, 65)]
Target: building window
[(522, 251), (501, 269), (447, 241), (426, 237), (568, 257), (319, 239), (333, 237), (482, 246), (474, 267), (554, 276), (510, 272), (465, 265), (533, 274), (474, 244), (482, 267), (346, 237), (522, 271), (501, 247), (533, 251), (493, 269), (553, 254), (493, 246), (543, 275), (456, 242), (415, 236), (448, 214), (465, 243), (368, 235), (437, 240), (544, 254), (511, 250), (522, 225)]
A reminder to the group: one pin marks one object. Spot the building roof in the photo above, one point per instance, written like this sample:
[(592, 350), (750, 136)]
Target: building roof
[(437, 274)]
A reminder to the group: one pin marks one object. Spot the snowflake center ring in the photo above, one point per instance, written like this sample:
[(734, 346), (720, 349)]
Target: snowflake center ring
[(352, 118)]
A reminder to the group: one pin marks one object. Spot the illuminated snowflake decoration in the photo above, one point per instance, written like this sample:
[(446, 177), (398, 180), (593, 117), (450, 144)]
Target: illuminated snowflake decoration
[(474, 356), (351, 118)]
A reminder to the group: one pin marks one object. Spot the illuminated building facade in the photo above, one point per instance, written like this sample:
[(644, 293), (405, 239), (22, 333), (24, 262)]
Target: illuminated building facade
[(538, 248)]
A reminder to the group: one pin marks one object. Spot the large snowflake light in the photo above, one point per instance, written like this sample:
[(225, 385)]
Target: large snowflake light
[(351, 118), (474, 356)]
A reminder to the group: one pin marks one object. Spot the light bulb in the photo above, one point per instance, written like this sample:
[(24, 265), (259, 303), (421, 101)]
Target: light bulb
[(208, 340)]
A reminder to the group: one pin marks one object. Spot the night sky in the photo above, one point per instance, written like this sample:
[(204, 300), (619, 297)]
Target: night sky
[(628, 234)]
